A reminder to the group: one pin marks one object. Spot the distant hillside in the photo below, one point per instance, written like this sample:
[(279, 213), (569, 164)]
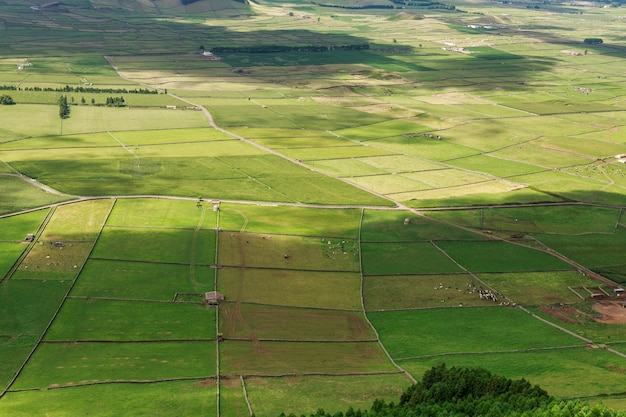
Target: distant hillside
[(148, 6)]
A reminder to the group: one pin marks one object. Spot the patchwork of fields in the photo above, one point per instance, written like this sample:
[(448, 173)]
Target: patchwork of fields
[(374, 191), (110, 293)]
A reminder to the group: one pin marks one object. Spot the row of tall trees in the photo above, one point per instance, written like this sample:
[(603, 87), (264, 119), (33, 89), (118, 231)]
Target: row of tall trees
[(463, 392), (81, 89), (260, 49)]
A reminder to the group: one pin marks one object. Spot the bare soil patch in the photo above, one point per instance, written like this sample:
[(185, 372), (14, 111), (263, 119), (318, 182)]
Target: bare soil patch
[(612, 312), (565, 313)]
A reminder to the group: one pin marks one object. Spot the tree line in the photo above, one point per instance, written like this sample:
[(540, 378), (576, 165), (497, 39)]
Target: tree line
[(286, 48), (347, 6), (81, 89), (463, 392)]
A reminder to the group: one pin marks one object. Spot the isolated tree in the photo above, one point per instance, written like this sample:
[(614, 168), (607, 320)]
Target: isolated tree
[(82, 100), (6, 99), (64, 111), (64, 108)]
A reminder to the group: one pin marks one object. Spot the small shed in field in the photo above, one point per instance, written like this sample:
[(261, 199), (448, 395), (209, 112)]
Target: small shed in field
[(213, 297)]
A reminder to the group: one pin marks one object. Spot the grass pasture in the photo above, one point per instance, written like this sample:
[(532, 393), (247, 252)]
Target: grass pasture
[(121, 320), (28, 305), (401, 163), (70, 364), (154, 245), (389, 183), (9, 253), (331, 152), (332, 290), (432, 332), (344, 168), (380, 130), (604, 254), (277, 358), (86, 119), (381, 226), (287, 252), (549, 220), (423, 147), (49, 261), (265, 322), (19, 195), (290, 220), (167, 136), (238, 171), (157, 399), (14, 350), (405, 258), (500, 257), (495, 166), (66, 142), (539, 288), (158, 214), (82, 221), (140, 280), (382, 293), (270, 396)]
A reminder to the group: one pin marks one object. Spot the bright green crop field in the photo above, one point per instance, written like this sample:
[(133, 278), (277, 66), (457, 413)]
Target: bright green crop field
[(251, 208)]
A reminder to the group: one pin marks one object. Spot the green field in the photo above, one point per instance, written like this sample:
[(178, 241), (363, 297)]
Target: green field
[(83, 363), (140, 280), (305, 288), (373, 191), (94, 319), (432, 332), (405, 258)]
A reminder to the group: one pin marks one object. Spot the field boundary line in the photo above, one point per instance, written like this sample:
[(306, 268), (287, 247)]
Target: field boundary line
[(109, 341), (269, 268), (300, 374), (116, 226), (287, 234), (130, 300), (364, 312), (245, 395), (347, 310), (247, 339), (437, 307), (618, 223), (489, 352), (95, 258), (217, 320), (118, 381), (56, 313)]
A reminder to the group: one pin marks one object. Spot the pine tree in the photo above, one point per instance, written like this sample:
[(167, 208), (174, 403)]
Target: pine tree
[(64, 108)]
